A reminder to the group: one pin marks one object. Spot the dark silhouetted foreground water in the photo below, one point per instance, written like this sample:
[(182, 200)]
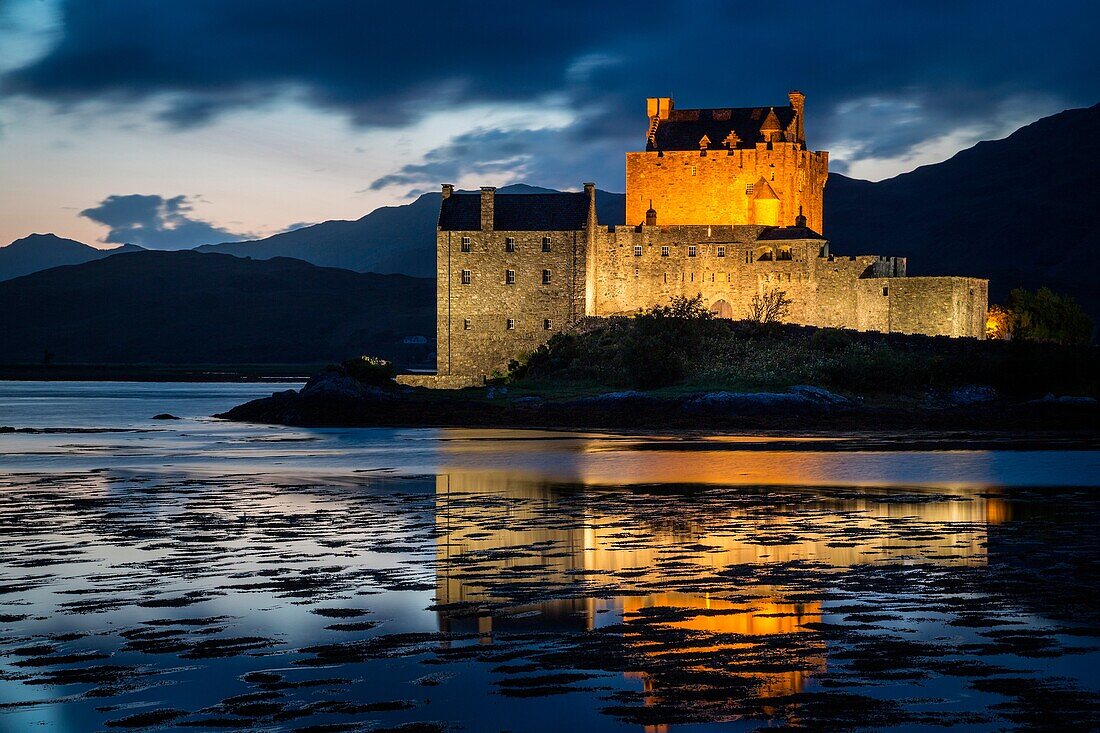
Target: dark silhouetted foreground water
[(199, 575)]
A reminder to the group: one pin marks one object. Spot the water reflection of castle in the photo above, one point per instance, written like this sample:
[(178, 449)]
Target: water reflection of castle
[(495, 531)]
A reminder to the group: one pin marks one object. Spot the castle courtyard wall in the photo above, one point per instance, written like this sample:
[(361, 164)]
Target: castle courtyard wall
[(934, 306), (626, 282)]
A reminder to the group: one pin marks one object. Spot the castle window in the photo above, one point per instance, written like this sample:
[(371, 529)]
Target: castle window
[(664, 251), (691, 250), (635, 272), (509, 244), (637, 250), (465, 324), (547, 324), (749, 188), (693, 170), (886, 291), (511, 324), (545, 277), (721, 250), (509, 277), (546, 244), (465, 244), (466, 277)]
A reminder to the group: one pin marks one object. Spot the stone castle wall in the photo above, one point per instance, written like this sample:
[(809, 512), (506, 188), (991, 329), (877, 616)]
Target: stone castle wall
[(937, 306), (713, 236), (472, 318), (867, 292), (710, 187), (724, 269)]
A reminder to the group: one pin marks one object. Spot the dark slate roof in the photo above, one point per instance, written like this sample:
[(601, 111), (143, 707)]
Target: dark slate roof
[(517, 212), (789, 233), (684, 128)]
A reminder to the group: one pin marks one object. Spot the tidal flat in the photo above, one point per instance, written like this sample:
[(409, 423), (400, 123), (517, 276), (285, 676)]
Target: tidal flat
[(203, 575)]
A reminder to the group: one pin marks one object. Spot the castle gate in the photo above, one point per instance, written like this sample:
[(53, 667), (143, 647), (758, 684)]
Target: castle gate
[(722, 309)]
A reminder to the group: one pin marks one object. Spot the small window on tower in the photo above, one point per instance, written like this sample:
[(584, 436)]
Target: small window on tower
[(465, 244), (547, 324), (511, 324), (509, 277), (465, 324), (693, 170), (721, 250), (691, 250), (664, 251), (546, 241), (637, 250), (749, 188), (545, 277), (886, 291), (466, 277), (509, 244)]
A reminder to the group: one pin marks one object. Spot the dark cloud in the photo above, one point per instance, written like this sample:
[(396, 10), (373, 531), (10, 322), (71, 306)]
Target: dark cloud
[(559, 158), (930, 67), (154, 222)]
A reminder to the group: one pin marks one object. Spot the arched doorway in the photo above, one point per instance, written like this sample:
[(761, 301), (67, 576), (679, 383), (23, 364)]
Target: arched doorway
[(722, 309)]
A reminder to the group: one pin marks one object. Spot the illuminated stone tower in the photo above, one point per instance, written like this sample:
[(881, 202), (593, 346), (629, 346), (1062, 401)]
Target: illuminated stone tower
[(747, 165)]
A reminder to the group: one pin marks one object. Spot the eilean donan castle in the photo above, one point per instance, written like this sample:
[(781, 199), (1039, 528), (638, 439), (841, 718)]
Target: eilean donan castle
[(722, 203)]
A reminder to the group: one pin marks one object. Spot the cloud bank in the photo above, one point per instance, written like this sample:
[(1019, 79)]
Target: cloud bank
[(883, 79), (154, 222)]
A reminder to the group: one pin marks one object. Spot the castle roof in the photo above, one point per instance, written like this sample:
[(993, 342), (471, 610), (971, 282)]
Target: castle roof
[(684, 128), (517, 212), (773, 233), (764, 190)]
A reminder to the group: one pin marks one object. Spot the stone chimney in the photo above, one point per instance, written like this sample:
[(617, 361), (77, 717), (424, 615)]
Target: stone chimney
[(659, 107), (448, 189), (488, 194), (798, 102), (590, 192), (651, 215)]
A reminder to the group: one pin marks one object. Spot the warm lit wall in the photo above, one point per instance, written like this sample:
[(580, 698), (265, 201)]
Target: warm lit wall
[(625, 283), (709, 187)]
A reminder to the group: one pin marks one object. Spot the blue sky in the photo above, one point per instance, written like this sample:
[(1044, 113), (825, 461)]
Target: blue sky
[(170, 123)]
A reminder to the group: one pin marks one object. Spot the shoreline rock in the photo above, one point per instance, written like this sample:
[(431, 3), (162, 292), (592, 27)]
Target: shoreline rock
[(333, 399)]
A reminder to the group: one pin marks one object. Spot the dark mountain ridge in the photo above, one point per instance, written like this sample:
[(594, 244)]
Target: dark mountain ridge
[(392, 239), (1020, 211), (184, 307), (42, 251)]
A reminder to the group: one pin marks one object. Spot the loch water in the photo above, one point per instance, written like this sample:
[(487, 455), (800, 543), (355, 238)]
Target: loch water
[(196, 574)]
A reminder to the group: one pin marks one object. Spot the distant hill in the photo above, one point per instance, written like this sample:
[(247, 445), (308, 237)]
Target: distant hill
[(43, 251), (1019, 211), (184, 307), (392, 239)]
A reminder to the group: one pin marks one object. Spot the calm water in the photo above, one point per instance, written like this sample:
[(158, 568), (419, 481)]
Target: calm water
[(201, 575)]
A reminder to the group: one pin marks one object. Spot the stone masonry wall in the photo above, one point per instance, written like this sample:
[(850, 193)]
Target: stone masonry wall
[(487, 302), (935, 306), (701, 187), (626, 282)]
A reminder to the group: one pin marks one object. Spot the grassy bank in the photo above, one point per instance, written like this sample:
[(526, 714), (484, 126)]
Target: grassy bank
[(670, 351)]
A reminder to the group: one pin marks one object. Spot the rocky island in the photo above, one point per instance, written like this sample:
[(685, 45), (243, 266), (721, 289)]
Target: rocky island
[(676, 368)]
